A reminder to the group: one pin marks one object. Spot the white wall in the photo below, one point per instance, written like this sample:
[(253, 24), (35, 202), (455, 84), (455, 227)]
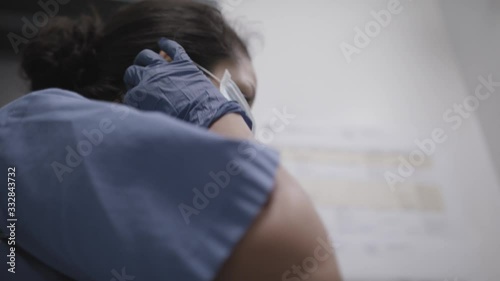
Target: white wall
[(402, 83), (474, 30)]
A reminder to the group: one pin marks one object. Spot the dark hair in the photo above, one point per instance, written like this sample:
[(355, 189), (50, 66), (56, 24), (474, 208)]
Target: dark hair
[(90, 58)]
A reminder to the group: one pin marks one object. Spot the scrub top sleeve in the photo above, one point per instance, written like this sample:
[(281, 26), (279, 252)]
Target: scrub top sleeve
[(188, 198)]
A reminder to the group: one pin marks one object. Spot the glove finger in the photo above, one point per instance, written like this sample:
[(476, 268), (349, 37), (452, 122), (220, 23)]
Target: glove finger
[(173, 49), (148, 57), (133, 76)]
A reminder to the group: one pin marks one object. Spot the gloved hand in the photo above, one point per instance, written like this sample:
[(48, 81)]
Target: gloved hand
[(177, 88)]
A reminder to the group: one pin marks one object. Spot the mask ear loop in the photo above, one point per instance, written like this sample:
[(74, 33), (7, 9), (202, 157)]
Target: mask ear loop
[(213, 77), (245, 104), (208, 73)]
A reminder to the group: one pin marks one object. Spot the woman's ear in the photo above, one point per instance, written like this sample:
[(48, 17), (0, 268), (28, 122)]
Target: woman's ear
[(165, 56)]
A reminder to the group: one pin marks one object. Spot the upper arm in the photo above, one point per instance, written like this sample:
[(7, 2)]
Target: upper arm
[(286, 242)]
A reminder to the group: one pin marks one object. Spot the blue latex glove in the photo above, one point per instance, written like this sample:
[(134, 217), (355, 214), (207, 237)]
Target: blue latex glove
[(177, 88)]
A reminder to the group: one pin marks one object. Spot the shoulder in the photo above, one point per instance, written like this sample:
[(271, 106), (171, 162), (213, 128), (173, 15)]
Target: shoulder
[(287, 241)]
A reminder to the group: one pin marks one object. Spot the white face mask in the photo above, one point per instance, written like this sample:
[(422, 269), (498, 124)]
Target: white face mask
[(230, 91)]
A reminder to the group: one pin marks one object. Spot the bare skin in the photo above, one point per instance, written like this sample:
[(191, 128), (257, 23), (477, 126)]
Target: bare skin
[(284, 235)]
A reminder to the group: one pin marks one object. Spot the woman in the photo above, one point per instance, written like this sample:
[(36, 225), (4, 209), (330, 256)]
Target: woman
[(108, 192), (90, 58)]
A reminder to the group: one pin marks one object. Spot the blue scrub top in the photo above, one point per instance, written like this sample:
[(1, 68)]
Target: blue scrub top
[(106, 192)]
